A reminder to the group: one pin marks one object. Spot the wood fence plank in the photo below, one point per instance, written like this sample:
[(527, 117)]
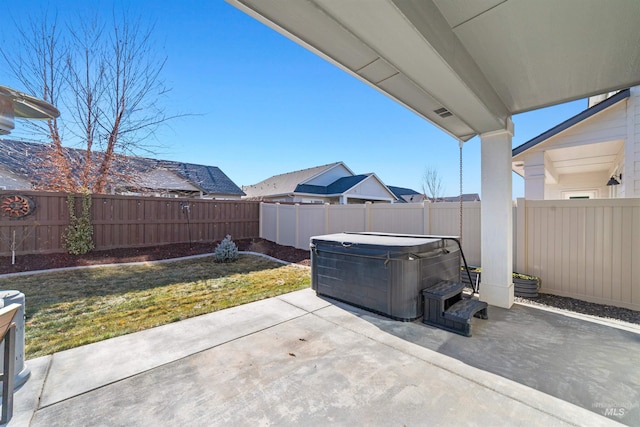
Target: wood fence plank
[(129, 221)]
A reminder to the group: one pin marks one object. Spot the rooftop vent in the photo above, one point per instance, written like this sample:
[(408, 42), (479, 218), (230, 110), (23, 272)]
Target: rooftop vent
[(443, 112)]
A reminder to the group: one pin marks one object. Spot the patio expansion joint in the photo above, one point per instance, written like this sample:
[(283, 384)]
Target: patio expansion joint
[(37, 406), (453, 371), (161, 365)]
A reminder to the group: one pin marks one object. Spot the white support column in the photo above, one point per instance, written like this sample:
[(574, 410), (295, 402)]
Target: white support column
[(497, 218), (534, 177), (631, 172)]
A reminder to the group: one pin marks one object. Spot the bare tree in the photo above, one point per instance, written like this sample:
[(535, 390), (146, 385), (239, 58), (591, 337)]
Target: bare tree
[(432, 184), (106, 75), (40, 68)]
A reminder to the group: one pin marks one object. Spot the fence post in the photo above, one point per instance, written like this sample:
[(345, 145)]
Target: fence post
[(367, 216), (260, 221), (521, 235), (326, 218), (297, 244), (426, 229), (278, 223)]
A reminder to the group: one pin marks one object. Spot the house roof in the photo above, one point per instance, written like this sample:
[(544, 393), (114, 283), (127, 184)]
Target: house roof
[(580, 117), (18, 157), (304, 182), (209, 178), (287, 183), (339, 186), (15, 156), (400, 191)]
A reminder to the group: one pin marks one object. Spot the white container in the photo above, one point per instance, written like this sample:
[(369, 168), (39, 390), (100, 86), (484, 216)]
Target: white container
[(22, 371)]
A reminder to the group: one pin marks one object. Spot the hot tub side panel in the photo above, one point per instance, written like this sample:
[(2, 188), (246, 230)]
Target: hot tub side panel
[(443, 267), (386, 280), (352, 278)]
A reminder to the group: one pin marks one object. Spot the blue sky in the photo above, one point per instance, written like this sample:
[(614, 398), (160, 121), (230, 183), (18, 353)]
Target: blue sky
[(262, 105)]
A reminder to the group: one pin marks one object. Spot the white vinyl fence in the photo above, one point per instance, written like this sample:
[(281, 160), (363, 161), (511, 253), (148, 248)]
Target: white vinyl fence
[(586, 249), (294, 225)]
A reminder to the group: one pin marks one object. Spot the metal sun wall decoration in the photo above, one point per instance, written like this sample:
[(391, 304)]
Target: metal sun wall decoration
[(17, 206)]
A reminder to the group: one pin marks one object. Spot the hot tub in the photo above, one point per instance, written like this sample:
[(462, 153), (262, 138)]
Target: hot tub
[(383, 273)]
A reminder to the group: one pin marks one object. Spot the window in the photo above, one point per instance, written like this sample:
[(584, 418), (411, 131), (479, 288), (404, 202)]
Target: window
[(583, 194)]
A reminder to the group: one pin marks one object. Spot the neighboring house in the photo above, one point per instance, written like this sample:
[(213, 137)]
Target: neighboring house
[(176, 179), (132, 176), (470, 197), (594, 154), (333, 183), (407, 195)]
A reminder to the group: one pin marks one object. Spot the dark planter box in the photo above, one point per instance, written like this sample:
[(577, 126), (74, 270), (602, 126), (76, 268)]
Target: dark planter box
[(464, 277), (525, 288)]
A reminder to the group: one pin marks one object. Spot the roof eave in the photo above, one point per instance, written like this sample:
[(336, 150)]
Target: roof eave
[(572, 121), (330, 166)]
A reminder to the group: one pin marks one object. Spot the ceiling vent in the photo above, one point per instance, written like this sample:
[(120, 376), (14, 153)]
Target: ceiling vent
[(443, 112)]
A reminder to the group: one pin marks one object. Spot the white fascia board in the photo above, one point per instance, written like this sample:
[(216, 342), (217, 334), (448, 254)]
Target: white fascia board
[(375, 177), (322, 196), (359, 197), (583, 118), (327, 170)]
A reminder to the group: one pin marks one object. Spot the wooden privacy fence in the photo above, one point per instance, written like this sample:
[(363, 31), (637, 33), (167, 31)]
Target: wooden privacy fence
[(127, 221), (585, 249)]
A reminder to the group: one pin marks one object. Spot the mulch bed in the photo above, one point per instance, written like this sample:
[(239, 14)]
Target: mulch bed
[(32, 262)]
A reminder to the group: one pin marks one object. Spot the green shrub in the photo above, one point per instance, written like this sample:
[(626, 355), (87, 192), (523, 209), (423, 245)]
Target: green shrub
[(226, 251), (78, 236)]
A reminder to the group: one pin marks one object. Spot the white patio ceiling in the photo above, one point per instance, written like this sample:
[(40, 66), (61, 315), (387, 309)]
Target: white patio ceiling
[(594, 157), (466, 66), (583, 159)]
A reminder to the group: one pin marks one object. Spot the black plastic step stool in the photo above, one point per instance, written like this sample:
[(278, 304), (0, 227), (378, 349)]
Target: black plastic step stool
[(445, 308)]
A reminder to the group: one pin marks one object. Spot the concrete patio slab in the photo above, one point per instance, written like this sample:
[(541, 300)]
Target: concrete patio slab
[(301, 360), (82, 369)]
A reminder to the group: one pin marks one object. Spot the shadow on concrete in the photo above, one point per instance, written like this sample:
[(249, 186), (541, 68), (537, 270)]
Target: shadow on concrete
[(587, 363)]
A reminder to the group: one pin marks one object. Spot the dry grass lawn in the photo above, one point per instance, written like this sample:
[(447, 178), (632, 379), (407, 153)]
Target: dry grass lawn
[(74, 308)]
